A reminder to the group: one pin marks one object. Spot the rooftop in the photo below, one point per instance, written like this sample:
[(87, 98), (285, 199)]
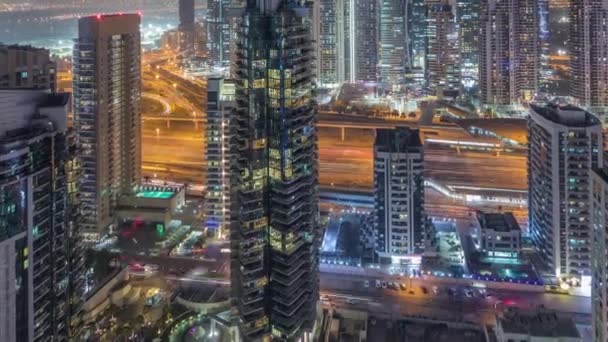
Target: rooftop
[(500, 222), (566, 115), (538, 323), (400, 139)]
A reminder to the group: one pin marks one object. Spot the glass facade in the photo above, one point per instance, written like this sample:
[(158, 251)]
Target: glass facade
[(274, 215)]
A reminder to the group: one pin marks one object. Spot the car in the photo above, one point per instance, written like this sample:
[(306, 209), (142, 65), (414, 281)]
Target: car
[(384, 285), (402, 285), (411, 292), (378, 284), (424, 289), (366, 283), (350, 301), (468, 293), (451, 292), (435, 290)]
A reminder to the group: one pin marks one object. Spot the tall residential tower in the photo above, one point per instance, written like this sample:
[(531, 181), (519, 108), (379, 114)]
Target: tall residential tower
[(509, 52), (274, 214), (399, 193), (107, 115), (564, 144), (589, 52)]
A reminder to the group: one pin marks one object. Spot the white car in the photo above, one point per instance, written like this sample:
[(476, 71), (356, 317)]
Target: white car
[(378, 284)]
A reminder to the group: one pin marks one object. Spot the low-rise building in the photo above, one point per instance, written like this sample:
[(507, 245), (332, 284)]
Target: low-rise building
[(498, 234), (536, 326)]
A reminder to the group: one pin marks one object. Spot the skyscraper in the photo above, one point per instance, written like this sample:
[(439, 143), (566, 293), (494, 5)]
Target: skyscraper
[(393, 53), (599, 259), (274, 215), (467, 19), (399, 193), (107, 115), (186, 13), (416, 33), (26, 67), (187, 27), (365, 41), (589, 52), (327, 46), (220, 29), (35, 217), (220, 103), (442, 58), (564, 143), (509, 51)]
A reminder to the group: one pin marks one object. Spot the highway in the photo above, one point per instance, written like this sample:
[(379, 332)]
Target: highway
[(477, 309)]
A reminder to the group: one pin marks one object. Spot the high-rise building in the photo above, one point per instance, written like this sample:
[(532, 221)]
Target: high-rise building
[(26, 67), (107, 115), (36, 244), (589, 52), (564, 144), (599, 258), (347, 46), (399, 193), (442, 58), (393, 52), (220, 104), (416, 33), (327, 46), (509, 52), (365, 41), (467, 19), (274, 215), (220, 32), (187, 27), (186, 13)]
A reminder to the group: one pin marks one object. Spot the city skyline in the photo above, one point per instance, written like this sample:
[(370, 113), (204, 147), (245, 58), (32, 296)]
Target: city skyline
[(334, 170)]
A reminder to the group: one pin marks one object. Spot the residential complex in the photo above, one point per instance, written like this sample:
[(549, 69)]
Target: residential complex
[(220, 29), (26, 67), (274, 215), (398, 193), (442, 57), (599, 222), (107, 114), (589, 52), (508, 52), (565, 143), (41, 282), (220, 105)]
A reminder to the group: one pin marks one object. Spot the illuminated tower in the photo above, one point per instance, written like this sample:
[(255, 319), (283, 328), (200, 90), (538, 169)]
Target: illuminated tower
[(509, 51), (107, 114), (442, 58), (589, 52), (392, 42), (274, 214), (564, 144)]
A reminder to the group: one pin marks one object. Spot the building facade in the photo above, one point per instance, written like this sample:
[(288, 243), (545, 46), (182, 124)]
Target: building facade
[(509, 52), (467, 19), (365, 43), (36, 218), (26, 67), (274, 215), (327, 46), (399, 193), (499, 235), (417, 33), (220, 103), (107, 114), (220, 32), (564, 143), (393, 49), (589, 52), (443, 57), (599, 221)]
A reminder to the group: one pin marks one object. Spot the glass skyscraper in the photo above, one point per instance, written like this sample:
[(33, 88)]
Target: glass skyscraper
[(274, 214)]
